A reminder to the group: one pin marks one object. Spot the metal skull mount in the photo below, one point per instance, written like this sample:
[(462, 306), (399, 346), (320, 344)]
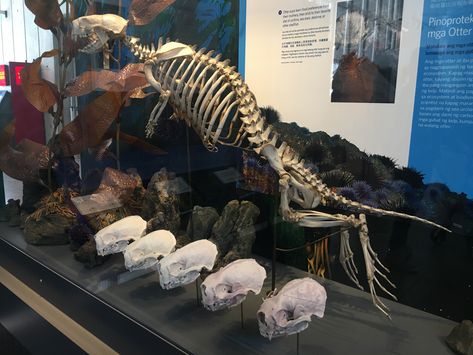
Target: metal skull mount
[(289, 311), (147, 251), (184, 265), (116, 237), (229, 286), (98, 30)]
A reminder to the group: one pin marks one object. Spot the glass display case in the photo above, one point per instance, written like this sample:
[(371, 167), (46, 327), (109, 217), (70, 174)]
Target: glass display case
[(256, 176)]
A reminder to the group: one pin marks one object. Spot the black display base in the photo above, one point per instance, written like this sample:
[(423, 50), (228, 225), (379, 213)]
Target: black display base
[(130, 311)]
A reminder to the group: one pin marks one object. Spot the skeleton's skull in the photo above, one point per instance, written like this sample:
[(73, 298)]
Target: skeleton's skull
[(289, 311), (146, 252), (184, 265), (116, 237), (229, 286), (98, 30)]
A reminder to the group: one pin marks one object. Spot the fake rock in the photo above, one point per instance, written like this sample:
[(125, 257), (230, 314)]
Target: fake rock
[(161, 204), (460, 339), (234, 232), (49, 224), (201, 223)]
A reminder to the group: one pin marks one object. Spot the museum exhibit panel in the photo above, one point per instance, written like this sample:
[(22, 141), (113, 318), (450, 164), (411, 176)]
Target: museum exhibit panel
[(238, 176)]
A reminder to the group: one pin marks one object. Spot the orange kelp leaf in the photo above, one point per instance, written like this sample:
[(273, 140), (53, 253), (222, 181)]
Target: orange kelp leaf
[(25, 160), (143, 12), (36, 151), (138, 143), (129, 78), (48, 14), (89, 127), (138, 93), (88, 82), (41, 93)]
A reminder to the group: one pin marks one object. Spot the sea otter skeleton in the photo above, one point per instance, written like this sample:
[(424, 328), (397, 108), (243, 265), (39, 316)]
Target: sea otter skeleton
[(213, 98)]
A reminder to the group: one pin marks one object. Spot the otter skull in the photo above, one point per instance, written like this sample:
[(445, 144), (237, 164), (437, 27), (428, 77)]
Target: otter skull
[(116, 237), (229, 286), (184, 265), (98, 30), (146, 252), (289, 311)]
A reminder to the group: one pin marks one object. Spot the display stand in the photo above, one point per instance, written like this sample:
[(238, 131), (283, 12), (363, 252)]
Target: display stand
[(275, 242), (197, 296), (138, 315)]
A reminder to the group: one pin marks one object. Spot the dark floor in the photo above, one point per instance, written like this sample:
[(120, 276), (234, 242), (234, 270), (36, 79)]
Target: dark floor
[(9, 345)]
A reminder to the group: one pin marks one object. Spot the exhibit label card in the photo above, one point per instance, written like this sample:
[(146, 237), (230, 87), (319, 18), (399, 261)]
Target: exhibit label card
[(442, 127), (305, 32)]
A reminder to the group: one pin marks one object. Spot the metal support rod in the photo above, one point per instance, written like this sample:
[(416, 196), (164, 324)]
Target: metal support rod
[(297, 346), (241, 316), (275, 242), (117, 143), (197, 291)]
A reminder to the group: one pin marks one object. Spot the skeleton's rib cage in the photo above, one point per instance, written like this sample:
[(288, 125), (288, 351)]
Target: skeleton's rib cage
[(209, 95)]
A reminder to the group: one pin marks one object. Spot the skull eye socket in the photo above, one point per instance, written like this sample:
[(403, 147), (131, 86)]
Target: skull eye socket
[(283, 316), (261, 318), (223, 289), (176, 268)]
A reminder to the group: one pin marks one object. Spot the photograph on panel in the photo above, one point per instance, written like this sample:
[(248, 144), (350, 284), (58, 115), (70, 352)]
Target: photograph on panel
[(366, 51)]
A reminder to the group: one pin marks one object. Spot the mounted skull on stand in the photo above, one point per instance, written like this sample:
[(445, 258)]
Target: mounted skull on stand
[(211, 97)]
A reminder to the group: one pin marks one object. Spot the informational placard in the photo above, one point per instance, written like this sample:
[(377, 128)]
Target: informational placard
[(343, 67), (96, 203), (305, 33), (442, 130)]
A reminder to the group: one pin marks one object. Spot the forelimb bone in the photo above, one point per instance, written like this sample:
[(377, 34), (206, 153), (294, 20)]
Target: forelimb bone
[(371, 270)]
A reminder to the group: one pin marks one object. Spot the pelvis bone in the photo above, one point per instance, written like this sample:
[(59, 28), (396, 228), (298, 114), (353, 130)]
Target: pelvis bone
[(229, 286), (147, 251), (289, 311), (184, 265), (98, 30), (116, 237)]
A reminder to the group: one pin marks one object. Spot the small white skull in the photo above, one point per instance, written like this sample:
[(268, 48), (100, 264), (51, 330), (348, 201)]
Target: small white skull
[(98, 29), (184, 265), (146, 252), (116, 237), (289, 311), (229, 286)]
